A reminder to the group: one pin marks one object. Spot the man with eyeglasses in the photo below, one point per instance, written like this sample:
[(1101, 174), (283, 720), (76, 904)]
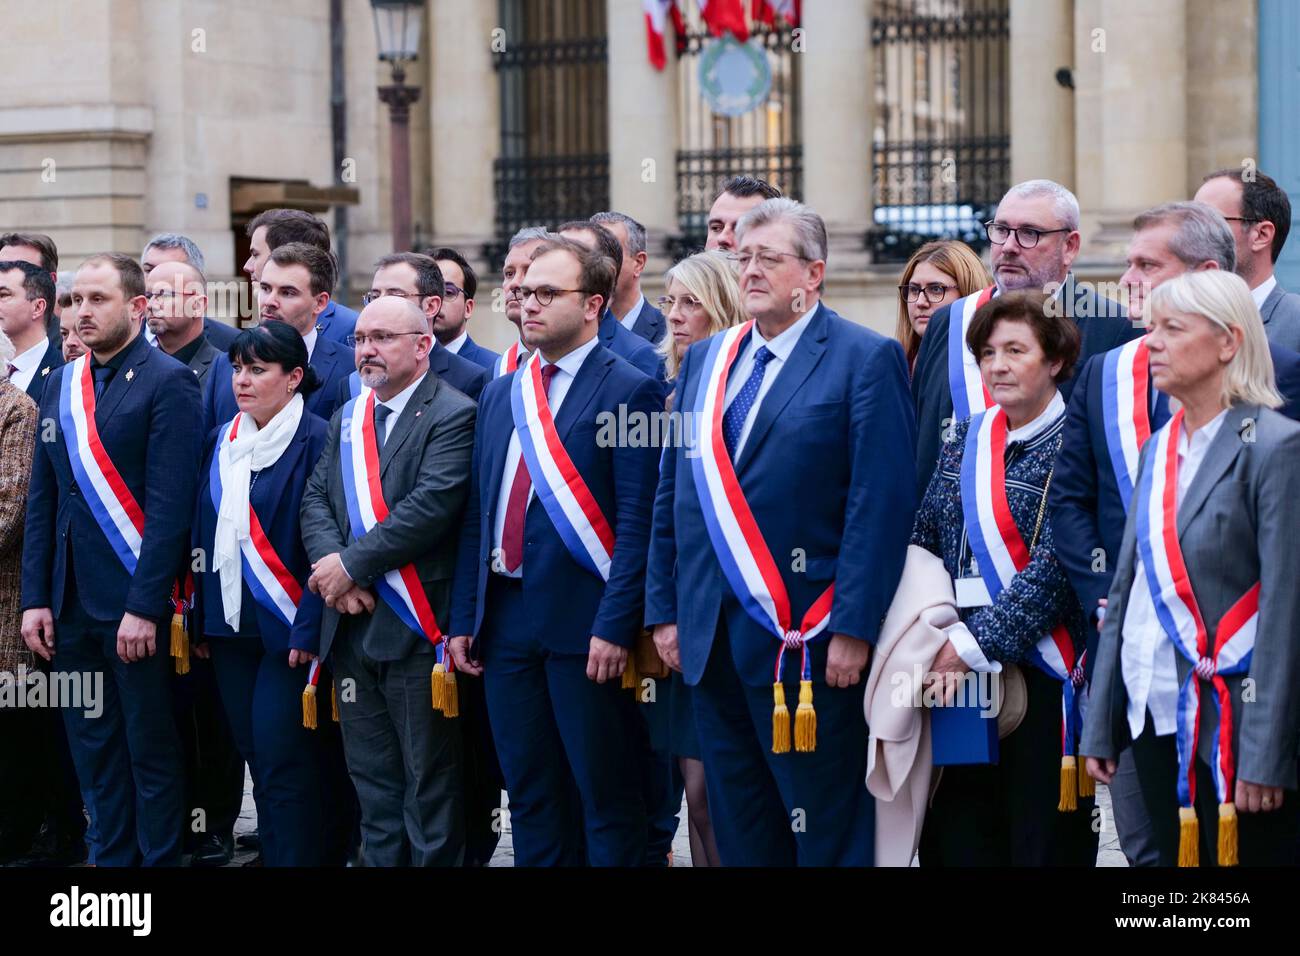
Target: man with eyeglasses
[(1258, 211), (449, 326), (417, 278), (1035, 237), (177, 305), (173, 247)]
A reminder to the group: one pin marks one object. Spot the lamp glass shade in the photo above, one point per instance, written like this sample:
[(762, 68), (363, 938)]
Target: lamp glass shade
[(397, 28)]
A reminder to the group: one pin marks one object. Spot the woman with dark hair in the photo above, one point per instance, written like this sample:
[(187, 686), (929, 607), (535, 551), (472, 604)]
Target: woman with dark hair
[(259, 621), (984, 515)]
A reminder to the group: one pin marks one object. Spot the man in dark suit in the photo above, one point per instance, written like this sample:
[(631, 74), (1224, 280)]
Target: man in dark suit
[(40, 250), (295, 289), (274, 228), (630, 306), (460, 285), (807, 393), (1035, 235), (547, 624), (173, 247), (619, 340), (1258, 211), (96, 588), (26, 301), (404, 757)]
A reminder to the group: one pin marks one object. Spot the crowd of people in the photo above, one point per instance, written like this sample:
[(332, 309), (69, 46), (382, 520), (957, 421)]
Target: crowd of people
[(395, 573)]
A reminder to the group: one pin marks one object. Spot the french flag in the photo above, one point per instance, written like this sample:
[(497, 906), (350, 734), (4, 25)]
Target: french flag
[(725, 16), (658, 14), (766, 11)]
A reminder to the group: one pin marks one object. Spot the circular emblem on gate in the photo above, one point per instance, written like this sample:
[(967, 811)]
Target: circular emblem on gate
[(734, 77)]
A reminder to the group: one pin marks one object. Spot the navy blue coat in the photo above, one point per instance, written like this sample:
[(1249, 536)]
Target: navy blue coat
[(51, 360), (630, 346), (220, 335), (276, 498), (650, 324), (337, 322), (150, 424), (477, 354), (821, 471), (569, 603), (333, 364)]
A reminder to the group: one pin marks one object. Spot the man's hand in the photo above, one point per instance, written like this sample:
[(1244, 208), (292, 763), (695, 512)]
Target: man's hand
[(459, 647), (947, 661), (297, 657), (846, 659), (1101, 770), (665, 638), (328, 579), (137, 638), (1254, 797), (605, 661), (38, 631), (355, 600), (202, 651)]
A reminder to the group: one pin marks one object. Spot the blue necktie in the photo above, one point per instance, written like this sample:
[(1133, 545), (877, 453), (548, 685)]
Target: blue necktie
[(101, 374), (733, 422)]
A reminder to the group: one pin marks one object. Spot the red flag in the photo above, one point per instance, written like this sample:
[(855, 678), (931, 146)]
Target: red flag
[(658, 13), (766, 11), (725, 16)]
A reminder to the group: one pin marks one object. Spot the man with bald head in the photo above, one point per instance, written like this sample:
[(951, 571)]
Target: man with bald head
[(411, 435), (178, 301)]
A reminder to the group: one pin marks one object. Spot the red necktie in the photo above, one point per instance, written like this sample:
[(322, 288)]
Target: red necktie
[(512, 534)]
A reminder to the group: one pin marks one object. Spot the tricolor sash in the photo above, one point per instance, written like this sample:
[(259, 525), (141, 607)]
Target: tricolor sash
[(266, 575), (111, 503), (1125, 384), (507, 362), (560, 488), (1001, 553), (741, 550), (1180, 618), (969, 396), (354, 385)]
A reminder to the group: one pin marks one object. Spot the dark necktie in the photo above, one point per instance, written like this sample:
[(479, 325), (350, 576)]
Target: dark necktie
[(12, 368), (733, 422), (101, 374), (512, 532), (381, 420)]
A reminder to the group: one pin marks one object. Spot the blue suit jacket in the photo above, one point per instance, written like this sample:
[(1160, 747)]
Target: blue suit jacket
[(650, 324), (51, 360), (276, 498), (460, 373), (1102, 323), (333, 364), (220, 335), (821, 472), (569, 603), (150, 424), (337, 322), (477, 354), (630, 346)]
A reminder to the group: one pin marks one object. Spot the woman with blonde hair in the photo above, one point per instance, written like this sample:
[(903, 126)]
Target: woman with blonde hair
[(938, 274), (1197, 664)]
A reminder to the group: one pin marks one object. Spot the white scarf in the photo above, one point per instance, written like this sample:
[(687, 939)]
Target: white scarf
[(252, 450)]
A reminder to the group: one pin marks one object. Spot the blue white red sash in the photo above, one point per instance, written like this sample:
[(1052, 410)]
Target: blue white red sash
[(354, 385), (737, 540), (507, 362), (1001, 554), (1129, 421), (560, 488), (270, 582), (399, 588), (969, 396), (1180, 617), (115, 509)]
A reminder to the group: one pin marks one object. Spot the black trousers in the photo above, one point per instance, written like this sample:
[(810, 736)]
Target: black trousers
[(214, 768), (1263, 839), (1005, 814)]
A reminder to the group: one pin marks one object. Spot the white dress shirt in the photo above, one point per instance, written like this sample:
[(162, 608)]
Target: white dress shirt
[(397, 403), (781, 348), (1262, 291), (309, 340), (26, 362), (569, 366), (1146, 653), (633, 313), (455, 345)]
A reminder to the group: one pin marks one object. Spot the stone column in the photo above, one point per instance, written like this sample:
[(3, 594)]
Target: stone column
[(1042, 110)]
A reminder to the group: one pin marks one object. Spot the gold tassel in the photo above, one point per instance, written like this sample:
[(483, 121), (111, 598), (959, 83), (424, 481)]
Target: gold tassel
[(309, 706), (1189, 852), (1069, 785), (1087, 786), (334, 702), (805, 720), (631, 680), (439, 689), (450, 695), (180, 644), (1227, 835), (780, 720)]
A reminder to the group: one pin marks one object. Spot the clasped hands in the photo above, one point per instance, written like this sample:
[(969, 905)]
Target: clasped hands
[(331, 582)]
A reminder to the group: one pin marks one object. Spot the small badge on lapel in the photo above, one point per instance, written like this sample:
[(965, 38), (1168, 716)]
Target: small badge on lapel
[(130, 374), (45, 371)]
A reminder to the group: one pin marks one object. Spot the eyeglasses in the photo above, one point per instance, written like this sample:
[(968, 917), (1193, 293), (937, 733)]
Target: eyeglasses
[(767, 259), (451, 290), (545, 294), (934, 291), (666, 302), (378, 339), (166, 295), (1026, 236), (372, 295)]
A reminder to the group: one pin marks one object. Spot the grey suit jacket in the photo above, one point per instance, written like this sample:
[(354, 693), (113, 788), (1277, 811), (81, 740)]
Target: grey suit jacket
[(1281, 315), (1236, 525), (424, 473)]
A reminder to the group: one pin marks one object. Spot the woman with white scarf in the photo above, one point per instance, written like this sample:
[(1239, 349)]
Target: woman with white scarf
[(259, 621)]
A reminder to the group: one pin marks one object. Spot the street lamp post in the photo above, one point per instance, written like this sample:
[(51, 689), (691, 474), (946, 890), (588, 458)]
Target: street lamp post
[(397, 32)]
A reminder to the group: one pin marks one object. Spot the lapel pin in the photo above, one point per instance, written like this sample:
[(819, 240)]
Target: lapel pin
[(45, 371), (130, 374)]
